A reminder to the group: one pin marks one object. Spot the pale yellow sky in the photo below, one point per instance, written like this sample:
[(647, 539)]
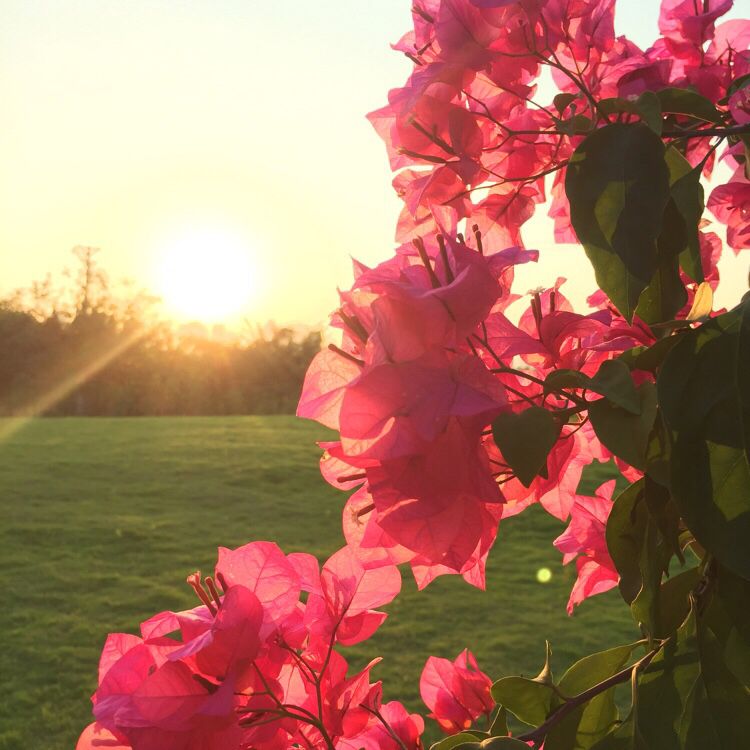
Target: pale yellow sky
[(129, 124)]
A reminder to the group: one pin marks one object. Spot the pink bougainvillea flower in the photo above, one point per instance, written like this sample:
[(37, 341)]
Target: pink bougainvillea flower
[(456, 692), (435, 503), (585, 541), (265, 570), (97, 737), (408, 729), (325, 385), (687, 25), (730, 204), (345, 600), (500, 216)]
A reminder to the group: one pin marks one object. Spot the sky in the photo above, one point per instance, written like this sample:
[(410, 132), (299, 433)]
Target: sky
[(230, 132)]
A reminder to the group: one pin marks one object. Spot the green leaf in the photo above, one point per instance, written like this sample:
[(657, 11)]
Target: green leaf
[(466, 739), (624, 737), (558, 379), (678, 242), (664, 513), (688, 200), (600, 714), (704, 393), (727, 616), (685, 102), (664, 687), (665, 294), (624, 534), (717, 713), (658, 453), (626, 434), (649, 357), (617, 183), (616, 106), (674, 602), (525, 439), (648, 106), (528, 700), (640, 555), (595, 668), (614, 381), (563, 734), (499, 723), (563, 101)]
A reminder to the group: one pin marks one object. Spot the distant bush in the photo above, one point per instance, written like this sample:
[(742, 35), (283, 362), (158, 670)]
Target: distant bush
[(92, 352)]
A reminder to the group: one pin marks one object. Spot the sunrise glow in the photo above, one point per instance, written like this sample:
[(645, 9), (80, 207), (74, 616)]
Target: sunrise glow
[(206, 274)]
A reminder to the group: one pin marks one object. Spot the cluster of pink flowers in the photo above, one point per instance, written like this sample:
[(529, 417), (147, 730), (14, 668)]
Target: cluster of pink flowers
[(428, 356), (254, 665), (467, 118)]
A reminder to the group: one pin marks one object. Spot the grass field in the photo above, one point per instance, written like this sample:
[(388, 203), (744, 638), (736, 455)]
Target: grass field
[(101, 519)]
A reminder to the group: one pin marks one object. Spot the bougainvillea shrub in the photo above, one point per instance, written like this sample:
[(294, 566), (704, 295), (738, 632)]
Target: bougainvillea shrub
[(454, 415)]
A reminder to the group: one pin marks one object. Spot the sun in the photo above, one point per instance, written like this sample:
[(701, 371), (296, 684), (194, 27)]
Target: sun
[(206, 274)]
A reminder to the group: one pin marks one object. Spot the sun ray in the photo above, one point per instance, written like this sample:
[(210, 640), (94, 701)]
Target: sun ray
[(38, 406)]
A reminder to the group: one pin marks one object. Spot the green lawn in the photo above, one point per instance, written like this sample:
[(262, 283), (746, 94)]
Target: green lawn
[(101, 519)]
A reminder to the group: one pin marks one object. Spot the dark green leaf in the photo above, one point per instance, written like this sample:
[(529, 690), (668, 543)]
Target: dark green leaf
[(562, 101), (727, 617), (595, 668), (685, 102), (616, 106), (717, 713), (704, 392), (663, 511), (626, 434), (563, 734), (624, 737), (649, 108), (625, 529), (528, 700), (499, 723), (640, 555), (649, 357), (665, 294), (664, 687), (658, 452), (457, 740), (600, 713), (525, 439), (674, 602), (617, 183), (614, 381), (687, 196), (558, 379)]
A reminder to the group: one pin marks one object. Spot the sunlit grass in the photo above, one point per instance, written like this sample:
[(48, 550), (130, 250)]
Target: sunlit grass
[(103, 518)]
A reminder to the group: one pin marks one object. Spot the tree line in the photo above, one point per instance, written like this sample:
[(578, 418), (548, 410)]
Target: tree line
[(91, 349)]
